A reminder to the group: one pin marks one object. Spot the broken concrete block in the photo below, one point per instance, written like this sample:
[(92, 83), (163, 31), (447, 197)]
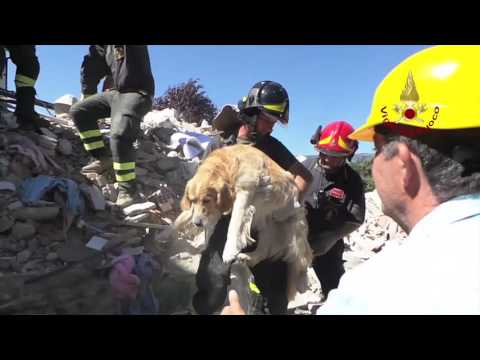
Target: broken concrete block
[(36, 213), (4, 242), (100, 180), (137, 218), (23, 230), (31, 265), (151, 180), (74, 249), (139, 208), (109, 192), (48, 133), (16, 246), (47, 142), (140, 171), (51, 256), (167, 220), (6, 262), (19, 170), (94, 196), (23, 256), (6, 223), (10, 120), (143, 157), (33, 245), (165, 207), (45, 240), (7, 186), (15, 205), (148, 147), (64, 147), (166, 164), (4, 164)]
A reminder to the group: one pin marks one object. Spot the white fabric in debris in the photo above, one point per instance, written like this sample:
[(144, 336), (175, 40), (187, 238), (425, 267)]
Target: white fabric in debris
[(166, 118), (194, 144)]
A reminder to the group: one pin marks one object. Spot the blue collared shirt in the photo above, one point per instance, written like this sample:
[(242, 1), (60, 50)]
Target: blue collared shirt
[(435, 271)]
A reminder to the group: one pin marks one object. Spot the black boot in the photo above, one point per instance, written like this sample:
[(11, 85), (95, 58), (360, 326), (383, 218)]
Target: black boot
[(27, 118), (127, 194)]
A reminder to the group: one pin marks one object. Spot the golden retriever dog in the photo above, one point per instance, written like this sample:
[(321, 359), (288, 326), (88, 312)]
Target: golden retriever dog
[(258, 193)]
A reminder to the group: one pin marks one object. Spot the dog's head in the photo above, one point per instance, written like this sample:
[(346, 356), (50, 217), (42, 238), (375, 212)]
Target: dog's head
[(209, 199)]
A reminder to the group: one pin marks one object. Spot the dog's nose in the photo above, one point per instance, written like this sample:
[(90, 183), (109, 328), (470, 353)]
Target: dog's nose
[(197, 222)]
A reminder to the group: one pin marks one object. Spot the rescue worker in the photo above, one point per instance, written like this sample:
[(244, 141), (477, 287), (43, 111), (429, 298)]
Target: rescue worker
[(28, 69), (126, 103), (335, 201), (425, 123), (266, 104)]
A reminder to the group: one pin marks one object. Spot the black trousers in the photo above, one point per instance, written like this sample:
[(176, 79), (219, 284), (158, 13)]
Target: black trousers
[(329, 267), (25, 59), (28, 69), (213, 277), (126, 111)]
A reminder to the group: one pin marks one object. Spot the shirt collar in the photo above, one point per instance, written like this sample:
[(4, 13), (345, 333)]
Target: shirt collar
[(453, 210)]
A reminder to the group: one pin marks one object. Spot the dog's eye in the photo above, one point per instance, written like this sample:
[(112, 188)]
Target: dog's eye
[(205, 201)]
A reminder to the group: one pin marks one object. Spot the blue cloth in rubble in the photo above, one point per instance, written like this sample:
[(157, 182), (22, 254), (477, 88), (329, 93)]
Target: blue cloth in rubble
[(145, 302), (34, 189)]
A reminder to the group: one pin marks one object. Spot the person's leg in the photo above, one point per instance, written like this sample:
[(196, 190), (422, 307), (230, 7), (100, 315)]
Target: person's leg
[(329, 267), (85, 115), (128, 110), (28, 69), (212, 277), (271, 279)]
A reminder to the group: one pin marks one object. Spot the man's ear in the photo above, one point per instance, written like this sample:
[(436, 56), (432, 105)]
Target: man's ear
[(409, 169), (185, 203), (224, 198)]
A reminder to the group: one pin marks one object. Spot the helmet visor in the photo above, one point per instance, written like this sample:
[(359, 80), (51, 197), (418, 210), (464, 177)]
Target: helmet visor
[(279, 116)]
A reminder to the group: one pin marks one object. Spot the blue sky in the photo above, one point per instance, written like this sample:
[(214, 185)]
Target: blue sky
[(325, 83)]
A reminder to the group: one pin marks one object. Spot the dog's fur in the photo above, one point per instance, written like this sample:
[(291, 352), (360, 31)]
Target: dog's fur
[(244, 181)]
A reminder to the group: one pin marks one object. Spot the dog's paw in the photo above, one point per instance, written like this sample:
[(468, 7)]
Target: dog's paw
[(229, 256), (243, 258)]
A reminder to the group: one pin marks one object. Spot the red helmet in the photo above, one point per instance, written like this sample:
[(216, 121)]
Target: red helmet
[(334, 140)]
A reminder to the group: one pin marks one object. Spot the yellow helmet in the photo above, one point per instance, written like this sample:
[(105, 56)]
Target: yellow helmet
[(436, 88)]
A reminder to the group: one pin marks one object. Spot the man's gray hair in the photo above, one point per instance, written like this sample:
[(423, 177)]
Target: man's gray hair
[(450, 173)]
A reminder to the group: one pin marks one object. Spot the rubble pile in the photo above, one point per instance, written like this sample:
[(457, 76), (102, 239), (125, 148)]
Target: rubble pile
[(375, 233), (60, 231)]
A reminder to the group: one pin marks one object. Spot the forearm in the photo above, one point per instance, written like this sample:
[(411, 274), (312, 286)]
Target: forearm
[(302, 186), (303, 178), (322, 241)]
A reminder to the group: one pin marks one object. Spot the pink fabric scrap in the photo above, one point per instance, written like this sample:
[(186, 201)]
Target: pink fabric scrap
[(125, 285)]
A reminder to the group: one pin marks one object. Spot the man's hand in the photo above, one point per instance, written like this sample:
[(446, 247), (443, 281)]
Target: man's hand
[(234, 308), (303, 178)]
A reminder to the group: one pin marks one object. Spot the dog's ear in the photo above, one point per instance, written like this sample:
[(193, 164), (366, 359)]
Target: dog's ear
[(185, 203), (224, 198)]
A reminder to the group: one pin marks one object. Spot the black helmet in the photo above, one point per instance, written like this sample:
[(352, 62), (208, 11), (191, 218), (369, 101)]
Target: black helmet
[(268, 96)]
